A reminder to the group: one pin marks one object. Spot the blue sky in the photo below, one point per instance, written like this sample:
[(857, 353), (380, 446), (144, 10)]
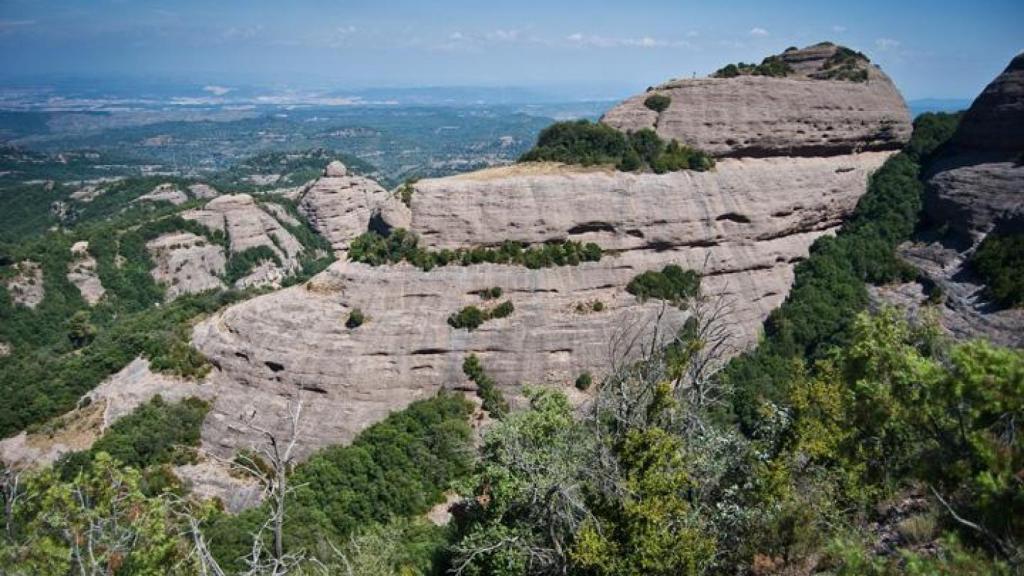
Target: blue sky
[(938, 49)]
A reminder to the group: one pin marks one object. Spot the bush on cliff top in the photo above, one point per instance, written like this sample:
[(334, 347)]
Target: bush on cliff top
[(589, 144)]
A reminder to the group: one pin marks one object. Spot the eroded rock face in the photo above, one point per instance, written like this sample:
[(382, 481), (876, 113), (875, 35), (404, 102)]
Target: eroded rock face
[(767, 116), (341, 207), (186, 263), (26, 286), (744, 226), (975, 188), (82, 273), (996, 117)]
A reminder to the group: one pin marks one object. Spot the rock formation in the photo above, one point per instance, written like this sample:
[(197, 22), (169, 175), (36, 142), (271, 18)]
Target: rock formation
[(341, 207), (743, 226), (186, 263), (974, 186), (26, 286), (164, 193), (799, 114), (82, 273)]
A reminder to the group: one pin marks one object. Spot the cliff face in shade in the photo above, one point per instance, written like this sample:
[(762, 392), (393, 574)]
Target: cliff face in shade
[(974, 187), (798, 115), (996, 118)]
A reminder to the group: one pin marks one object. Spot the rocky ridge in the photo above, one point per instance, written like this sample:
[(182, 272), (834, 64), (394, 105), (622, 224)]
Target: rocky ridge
[(799, 114), (82, 273)]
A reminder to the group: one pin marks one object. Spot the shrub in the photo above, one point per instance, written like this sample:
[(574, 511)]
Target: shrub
[(999, 260), (584, 380), (657, 102), (469, 318), (502, 310), (493, 401), (491, 293), (242, 263), (672, 284), (584, 143), (355, 319), (401, 245)]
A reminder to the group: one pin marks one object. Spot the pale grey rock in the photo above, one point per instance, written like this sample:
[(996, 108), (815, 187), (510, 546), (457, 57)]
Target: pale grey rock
[(5, 349), (166, 192), (281, 213), (203, 191), (211, 478), (342, 207), (82, 273), (88, 193), (26, 286), (743, 226), (186, 263), (766, 116), (335, 170)]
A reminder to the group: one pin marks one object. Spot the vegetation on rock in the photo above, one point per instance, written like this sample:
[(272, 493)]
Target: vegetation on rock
[(999, 260), (401, 245), (672, 284), (586, 143), (486, 388), (657, 102)]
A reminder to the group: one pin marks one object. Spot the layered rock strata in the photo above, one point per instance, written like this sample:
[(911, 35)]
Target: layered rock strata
[(800, 114)]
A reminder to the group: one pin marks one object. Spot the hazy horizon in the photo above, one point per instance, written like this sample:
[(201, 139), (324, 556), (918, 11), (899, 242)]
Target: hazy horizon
[(576, 49)]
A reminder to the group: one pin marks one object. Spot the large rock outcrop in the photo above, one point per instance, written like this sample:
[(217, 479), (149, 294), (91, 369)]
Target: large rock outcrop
[(974, 187), (82, 273), (799, 114), (744, 225)]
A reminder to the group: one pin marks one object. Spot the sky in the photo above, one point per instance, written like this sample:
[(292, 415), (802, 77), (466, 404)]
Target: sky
[(934, 49)]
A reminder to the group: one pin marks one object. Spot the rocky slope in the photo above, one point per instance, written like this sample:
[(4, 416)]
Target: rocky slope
[(974, 187), (799, 114), (82, 273)]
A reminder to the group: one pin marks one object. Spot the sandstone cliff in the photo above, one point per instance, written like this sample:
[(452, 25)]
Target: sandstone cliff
[(973, 187), (799, 114)]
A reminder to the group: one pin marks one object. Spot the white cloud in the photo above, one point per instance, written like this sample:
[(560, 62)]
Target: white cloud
[(8, 26), (580, 39), (455, 36), (839, 29), (886, 43), (241, 33), (217, 90), (758, 31)]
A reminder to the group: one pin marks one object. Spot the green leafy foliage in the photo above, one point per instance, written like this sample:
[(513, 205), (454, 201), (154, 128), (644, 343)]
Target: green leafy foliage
[(657, 102), (242, 263), (828, 289), (584, 381), (356, 318), (486, 388), (582, 142), (398, 467), (999, 260), (672, 284), (771, 66), (157, 432), (401, 245)]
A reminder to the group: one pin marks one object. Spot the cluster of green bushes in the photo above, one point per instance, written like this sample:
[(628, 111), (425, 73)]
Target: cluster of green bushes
[(648, 482), (999, 260), (155, 433), (472, 317), (672, 284), (493, 401), (398, 467), (829, 287), (586, 143), (773, 66), (240, 264), (401, 245), (40, 384)]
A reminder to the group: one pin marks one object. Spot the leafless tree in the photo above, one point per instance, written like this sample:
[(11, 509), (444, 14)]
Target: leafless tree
[(269, 462), (10, 492)]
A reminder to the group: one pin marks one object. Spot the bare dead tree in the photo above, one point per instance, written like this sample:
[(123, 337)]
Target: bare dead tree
[(10, 492), (269, 462)]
